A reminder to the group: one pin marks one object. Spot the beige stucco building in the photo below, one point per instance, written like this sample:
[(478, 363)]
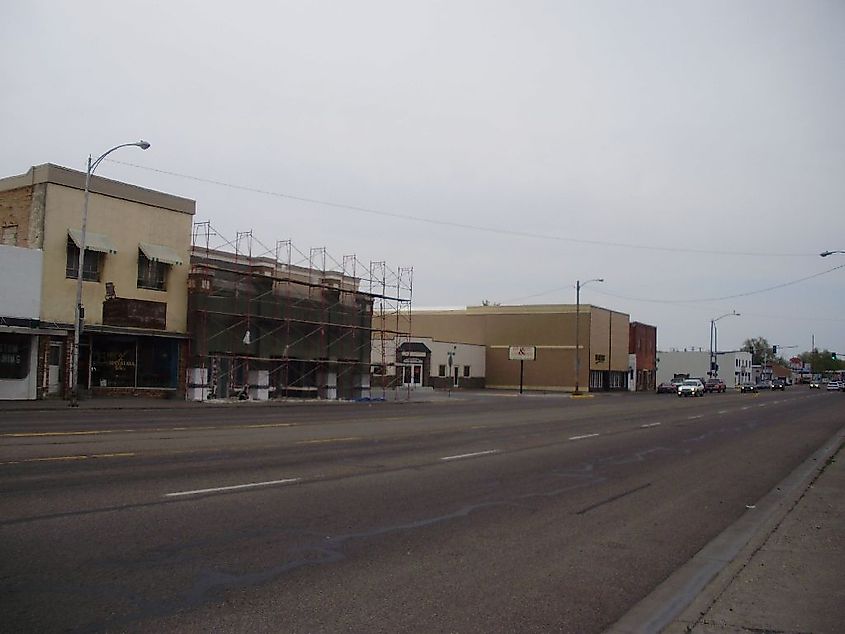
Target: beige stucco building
[(551, 331), (135, 275)]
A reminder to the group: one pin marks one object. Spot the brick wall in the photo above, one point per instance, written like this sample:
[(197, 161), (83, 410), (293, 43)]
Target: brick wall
[(16, 210)]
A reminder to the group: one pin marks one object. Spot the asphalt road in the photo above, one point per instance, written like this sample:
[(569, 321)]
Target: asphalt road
[(500, 514)]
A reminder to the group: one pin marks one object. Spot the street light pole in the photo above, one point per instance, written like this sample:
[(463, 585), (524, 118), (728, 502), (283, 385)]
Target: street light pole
[(713, 372), (578, 285), (824, 254), (79, 314)]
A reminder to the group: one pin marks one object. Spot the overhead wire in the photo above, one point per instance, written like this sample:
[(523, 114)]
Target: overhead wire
[(461, 225)]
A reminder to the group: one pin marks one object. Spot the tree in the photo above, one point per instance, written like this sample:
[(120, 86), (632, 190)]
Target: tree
[(487, 302), (760, 349), (823, 361)]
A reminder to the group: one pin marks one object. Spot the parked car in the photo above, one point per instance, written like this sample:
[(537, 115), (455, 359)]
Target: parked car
[(747, 387), (715, 385), (834, 386), (667, 387), (764, 385), (691, 387)]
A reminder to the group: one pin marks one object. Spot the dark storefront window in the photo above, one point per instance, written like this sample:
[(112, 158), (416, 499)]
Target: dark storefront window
[(134, 362), (157, 362), (14, 356), (91, 263), (113, 362)]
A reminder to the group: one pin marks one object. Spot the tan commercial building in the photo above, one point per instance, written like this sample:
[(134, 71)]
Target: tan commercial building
[(550, 330), (135, 275)]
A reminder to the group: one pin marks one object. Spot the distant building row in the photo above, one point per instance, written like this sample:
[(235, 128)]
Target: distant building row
[(167, 318)]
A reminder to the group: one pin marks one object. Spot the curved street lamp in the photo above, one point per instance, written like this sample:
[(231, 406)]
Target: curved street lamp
[(578, 285), (824, 254), (714, 346), (79, 315)]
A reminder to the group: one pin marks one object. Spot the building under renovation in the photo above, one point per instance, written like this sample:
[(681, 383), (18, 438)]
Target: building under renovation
[(277, 323)]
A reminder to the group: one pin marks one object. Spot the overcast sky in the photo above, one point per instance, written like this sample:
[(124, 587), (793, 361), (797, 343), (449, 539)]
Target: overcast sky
[(683, 151)]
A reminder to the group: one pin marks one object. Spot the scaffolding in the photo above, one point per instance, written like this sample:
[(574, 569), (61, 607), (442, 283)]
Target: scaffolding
[(275, 322)]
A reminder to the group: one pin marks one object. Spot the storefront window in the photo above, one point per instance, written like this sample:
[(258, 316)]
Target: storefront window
[(157, 362), (113, 362), (14, 356)]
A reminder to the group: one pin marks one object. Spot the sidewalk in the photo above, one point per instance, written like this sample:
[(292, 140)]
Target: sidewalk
[(778, 569), (795, 581)]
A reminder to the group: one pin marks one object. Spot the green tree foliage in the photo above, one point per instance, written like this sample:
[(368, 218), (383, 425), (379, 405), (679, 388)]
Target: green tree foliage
[(760, 349), (822, 361)]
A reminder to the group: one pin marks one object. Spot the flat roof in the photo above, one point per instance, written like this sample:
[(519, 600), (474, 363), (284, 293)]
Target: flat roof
[(66, 177)]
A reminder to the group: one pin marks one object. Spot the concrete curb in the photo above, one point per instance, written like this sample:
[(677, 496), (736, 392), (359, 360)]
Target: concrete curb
[(678, 603)]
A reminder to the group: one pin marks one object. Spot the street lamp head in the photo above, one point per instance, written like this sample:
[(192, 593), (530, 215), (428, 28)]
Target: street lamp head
[(143, 145), (600, 279)]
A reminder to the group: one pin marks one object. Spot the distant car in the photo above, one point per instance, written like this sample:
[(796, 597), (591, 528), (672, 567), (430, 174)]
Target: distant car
[(715, 385), (691, 387), (667, 387), (747, 387), (815, 384), (834, 386), (779, 385), (764, 385)]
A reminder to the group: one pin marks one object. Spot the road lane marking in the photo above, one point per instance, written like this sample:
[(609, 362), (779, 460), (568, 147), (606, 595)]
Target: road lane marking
[(650, 425), (470, 455), (695, 417), (69, 458), (582, 437), (234, 487), (95, 432), (761, 404), (326, 440), (722, 411), (745, 408)]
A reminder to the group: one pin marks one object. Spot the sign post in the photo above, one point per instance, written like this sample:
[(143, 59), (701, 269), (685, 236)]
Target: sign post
[(522, 354)]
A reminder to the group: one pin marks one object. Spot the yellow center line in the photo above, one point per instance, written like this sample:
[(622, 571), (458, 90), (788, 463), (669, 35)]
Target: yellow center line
[(95, 432)]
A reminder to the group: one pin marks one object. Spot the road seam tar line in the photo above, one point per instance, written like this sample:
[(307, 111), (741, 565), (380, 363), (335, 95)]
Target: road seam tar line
[(471, 455), (234, 487)]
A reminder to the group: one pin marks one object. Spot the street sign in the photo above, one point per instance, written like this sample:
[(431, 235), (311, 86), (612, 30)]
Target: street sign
[(522, 353)]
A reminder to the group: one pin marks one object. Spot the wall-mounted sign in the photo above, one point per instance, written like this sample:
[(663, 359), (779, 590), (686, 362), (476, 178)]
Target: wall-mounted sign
[(600, 358), (522, 353)]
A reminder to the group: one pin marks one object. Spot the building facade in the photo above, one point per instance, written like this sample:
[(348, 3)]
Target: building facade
[(734, 367), (642, 346), (263, 329), (602, 343), (425, 362), (134, 279)]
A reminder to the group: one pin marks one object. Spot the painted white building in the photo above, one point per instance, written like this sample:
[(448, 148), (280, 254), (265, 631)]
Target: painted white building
[(426, 362), (734, 367), (20, 310)]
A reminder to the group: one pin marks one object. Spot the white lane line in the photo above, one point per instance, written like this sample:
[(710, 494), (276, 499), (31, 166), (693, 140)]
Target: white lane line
[(745, 408), (722, 411), (582, 437), (471, 455), (235, 487), (761, 404), (650, 425), (695, 417)]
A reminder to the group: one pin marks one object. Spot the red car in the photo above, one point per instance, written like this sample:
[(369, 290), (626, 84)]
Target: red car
[(715, 385)]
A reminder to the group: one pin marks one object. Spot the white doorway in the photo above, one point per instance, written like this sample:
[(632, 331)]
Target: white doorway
[(412, 375), (54, 368)]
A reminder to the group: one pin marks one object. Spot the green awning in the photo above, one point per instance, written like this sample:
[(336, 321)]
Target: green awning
[(93, 241), (160, 253)]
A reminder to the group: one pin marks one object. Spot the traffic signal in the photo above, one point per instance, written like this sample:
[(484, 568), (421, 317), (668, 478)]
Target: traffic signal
[(774, 349), (833, 356)]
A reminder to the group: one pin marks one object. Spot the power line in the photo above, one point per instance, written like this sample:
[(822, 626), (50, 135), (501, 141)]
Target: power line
[(461, 225), (716, 299)]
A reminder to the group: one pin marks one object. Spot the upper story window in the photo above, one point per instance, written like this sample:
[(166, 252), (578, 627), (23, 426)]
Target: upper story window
[(92, 263), (154, 261), (152, 274)]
